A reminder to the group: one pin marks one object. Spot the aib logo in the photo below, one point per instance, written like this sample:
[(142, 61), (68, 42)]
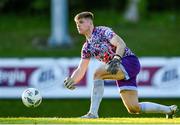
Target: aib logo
[(47, 75)]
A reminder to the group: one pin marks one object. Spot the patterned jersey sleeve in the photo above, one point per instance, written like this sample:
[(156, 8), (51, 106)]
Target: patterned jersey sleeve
[(108, 33), (85, 53)]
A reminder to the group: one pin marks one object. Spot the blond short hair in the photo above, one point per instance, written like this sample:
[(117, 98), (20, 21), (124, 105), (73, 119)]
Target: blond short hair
[(85, 14)]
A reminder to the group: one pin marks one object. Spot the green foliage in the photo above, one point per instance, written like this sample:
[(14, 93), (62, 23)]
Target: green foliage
[(2, 3), (40, 4), (32, 7), (165, 5), (143, 8), (152, 36)]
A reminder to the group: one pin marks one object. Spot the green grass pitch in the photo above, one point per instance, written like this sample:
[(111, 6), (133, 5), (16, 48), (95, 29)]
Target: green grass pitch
[(43, 120)]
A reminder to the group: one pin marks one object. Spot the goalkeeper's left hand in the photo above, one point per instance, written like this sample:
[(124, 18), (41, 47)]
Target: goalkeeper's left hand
[(113, 66), (69, 83)]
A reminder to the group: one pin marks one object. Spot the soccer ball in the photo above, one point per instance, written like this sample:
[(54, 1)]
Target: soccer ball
[(31, 97)]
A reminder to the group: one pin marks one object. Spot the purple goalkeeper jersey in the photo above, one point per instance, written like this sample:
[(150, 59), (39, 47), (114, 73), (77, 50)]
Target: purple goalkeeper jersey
[(99, 46)]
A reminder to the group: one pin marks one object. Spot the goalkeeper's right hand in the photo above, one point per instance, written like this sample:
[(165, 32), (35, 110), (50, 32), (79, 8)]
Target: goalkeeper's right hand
[(69, 83)]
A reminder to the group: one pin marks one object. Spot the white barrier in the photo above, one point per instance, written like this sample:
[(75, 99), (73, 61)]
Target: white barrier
[(159, 77)]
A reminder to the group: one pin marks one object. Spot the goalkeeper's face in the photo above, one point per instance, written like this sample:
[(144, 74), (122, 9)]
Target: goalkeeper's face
[(83, 25)]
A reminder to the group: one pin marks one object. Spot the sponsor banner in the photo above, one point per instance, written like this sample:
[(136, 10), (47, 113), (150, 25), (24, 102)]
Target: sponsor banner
[(159, 77), (47, 75)]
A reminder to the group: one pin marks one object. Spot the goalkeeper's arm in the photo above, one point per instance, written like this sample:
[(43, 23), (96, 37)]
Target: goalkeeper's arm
[(120, 46), (78, 74), (113, 65)]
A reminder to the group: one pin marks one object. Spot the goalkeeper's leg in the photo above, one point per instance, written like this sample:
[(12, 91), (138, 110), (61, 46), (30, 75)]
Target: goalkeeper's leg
[(98, 89), (96, 97), (130, 100)]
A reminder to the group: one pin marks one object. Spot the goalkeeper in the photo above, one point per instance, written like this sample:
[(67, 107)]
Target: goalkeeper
[(120, 64)]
